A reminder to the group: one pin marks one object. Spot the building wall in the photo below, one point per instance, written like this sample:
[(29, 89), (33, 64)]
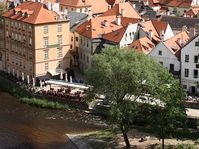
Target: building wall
[(18, 49), (129, 35), (191, 50), (86, 50), (54, 59), (166, 58), (2, 50), (24, 44), (85, 9), (168, 33)]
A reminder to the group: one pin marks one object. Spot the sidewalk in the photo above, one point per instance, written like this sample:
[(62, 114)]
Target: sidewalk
[(78, 141)]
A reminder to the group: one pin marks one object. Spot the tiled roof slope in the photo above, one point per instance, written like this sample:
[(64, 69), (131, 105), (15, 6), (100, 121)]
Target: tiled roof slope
[(95, 27), (144, 45), (179, 22), (177, 3), (177, 42), (127, 8), (75, 3), (98, 7), (34, 13)]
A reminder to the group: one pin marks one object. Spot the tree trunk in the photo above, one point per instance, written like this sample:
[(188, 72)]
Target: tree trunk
[(125, 136), (162, 143), (162, 135)]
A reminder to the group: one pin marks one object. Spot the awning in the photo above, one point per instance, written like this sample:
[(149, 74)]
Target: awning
[(68, 84), (192, 113)]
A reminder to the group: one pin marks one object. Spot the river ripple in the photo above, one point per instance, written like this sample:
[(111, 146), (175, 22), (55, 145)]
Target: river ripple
[(26, 127)]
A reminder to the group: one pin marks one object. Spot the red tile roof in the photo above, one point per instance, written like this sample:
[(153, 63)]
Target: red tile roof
[(115, 36), (75, 3), (177, 3), (127, 8), (99, 7), (176, 42), (95, 28), (34, 13), (144, 45), (112, 2), (192, 12), (156, 27)]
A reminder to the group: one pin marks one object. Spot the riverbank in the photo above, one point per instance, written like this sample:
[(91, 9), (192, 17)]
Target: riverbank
[(112, 138), (28, 97)]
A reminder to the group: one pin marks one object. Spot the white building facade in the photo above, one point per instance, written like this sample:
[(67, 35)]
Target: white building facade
[(190, 66)]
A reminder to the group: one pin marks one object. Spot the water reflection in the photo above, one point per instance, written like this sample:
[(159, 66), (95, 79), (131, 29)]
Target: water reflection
[(26, 127)]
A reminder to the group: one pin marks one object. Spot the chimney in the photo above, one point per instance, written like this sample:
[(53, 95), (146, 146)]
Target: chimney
[(122, 12), (150, 33), (161, 35), (118, 20), (179, 41), (105, 23), (192, 32), (49, 5), (184, 28), (89, 15), (65, 12), (109, 7)]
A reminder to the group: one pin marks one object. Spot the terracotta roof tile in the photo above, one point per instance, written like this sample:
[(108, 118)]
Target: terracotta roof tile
[(38, 13), (143, 44), (95, 27), (99, 7), (112, 2), (115, 36), (127, 8), (177, 3), (75, 3), (176, 42)]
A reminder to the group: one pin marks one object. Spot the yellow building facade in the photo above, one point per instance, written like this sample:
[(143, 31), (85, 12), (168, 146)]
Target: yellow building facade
[(34, 49)]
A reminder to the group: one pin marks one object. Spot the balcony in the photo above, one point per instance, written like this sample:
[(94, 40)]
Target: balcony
[(53, 46)]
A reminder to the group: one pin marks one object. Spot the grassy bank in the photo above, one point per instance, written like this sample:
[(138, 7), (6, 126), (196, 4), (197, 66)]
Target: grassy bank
[(26, 97)]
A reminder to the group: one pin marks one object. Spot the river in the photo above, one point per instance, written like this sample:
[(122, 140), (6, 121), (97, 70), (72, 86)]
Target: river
[(26, 127)]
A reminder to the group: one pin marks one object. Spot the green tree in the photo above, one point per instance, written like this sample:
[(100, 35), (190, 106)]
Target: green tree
[(172, 115), (119, 73)]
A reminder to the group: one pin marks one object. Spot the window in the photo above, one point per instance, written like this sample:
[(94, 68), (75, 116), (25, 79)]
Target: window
[(45, 41), (71, 38), (45, 29), (71, 46), (76, 38), (195, 72), (186, 58), (159, 52), (59, 28), (30, 41), (59, 52), (46, 66), (87, 59), (30, 28), (184, 86), (186, 72), (59, 64), (59, 39), (45, 54), (77, 49), (196, 59)]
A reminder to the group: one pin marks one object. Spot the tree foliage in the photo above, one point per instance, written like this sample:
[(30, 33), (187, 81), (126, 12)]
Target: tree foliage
[(119, 73)]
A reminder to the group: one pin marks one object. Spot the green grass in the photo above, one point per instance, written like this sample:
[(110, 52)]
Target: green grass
[(26, 97), (44, 103)]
